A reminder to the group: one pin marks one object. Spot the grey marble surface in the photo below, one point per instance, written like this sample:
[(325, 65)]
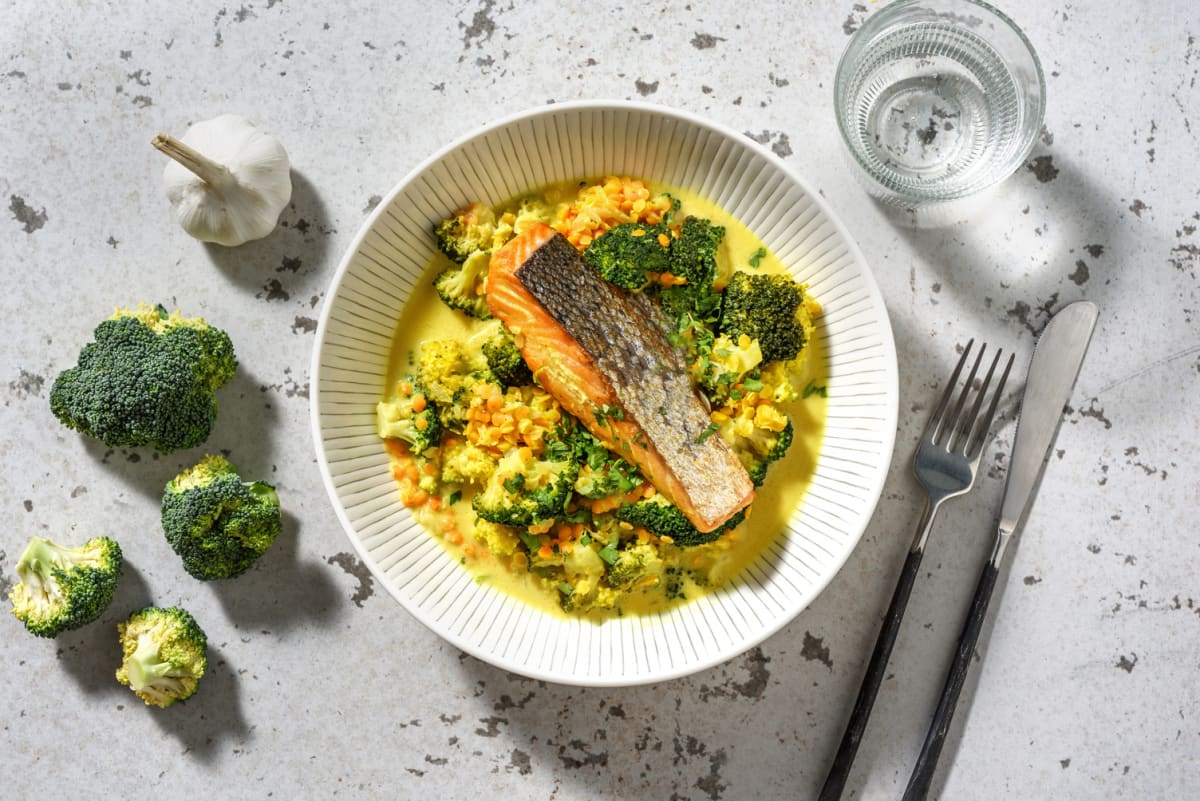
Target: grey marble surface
[(322, 686)]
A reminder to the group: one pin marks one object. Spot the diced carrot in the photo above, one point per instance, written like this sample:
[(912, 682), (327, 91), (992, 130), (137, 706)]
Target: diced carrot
[(421, 423), (545, 551), (664, 240), (419, 403), (404, 388), (454, 537)]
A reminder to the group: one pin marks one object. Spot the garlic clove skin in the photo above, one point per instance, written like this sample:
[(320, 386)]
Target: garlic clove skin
[(229, 181)]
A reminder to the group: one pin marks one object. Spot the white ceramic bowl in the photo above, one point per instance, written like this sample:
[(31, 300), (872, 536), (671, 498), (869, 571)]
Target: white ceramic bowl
[(510, 157)]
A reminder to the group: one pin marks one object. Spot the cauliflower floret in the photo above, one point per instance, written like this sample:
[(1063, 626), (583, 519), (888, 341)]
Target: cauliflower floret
[(500, 540), (465, 463)]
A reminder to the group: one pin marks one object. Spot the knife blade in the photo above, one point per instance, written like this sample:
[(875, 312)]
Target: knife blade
[(1057, 358)]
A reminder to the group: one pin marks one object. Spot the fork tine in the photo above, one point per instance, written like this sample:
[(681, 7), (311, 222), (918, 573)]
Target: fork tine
[(935, 422), (955, 421), (966, 426), (974, 447)]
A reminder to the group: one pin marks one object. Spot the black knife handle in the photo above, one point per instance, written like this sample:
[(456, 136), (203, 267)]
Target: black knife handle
[(840, 771), (922, 775)]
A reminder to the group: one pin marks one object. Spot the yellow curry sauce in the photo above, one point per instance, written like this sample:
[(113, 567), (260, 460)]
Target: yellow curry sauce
[(425, 317)]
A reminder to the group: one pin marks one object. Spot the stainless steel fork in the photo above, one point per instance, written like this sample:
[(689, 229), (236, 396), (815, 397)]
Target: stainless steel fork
[(946, 464)]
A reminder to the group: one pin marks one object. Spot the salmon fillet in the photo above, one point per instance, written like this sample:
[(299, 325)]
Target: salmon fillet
[(603, 353)]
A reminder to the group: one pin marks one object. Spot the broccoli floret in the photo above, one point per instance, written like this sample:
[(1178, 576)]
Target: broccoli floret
[(694, 260), (409, 415), (148, 378), (64, 588), (624, 254), (467, 231), (217, 523), (505, 360), (637, 565), (770, 308), (663, 519), (165, 654), (522, 490), (463, 287), (694, 253)]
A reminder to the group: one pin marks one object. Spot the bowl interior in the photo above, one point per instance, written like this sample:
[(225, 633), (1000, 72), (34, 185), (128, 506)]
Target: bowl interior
[(379, 274)]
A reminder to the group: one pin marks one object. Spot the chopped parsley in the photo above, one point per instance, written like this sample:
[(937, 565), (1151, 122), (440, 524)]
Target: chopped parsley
[(812, 388), (758, 256), (708, 432), (531, 541), (608, 553)]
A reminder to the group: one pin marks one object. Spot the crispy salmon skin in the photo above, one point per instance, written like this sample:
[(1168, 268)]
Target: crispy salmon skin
[(603, 353)]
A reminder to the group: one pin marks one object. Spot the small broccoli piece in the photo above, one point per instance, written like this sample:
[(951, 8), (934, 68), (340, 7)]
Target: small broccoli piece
[(217, 523), (624, 254), (505, 360), (663, 519), (694, 260), (165, 654), (409, 415), (467, 231), (148, 378), (770, 308), (463, 287), (522, 490), (64, 588), (694, 253), (637, 565)]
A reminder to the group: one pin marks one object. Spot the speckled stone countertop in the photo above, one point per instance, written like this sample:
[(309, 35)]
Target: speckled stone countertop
[(322, 686)]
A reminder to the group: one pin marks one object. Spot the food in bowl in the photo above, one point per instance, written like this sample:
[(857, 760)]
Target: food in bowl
[(607, 403)]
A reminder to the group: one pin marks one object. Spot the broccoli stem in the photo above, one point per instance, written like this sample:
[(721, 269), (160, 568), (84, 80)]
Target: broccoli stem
[(35, 564), (145, 666), (213, 173)]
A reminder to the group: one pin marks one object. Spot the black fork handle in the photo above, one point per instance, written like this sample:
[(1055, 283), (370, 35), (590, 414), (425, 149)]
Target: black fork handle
[(835, 782), (922, 776)]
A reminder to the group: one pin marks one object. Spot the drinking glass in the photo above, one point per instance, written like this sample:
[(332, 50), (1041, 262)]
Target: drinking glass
[(937, 100)]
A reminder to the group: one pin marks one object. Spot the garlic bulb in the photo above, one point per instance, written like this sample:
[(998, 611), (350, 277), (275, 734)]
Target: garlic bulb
[(228, 181)]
